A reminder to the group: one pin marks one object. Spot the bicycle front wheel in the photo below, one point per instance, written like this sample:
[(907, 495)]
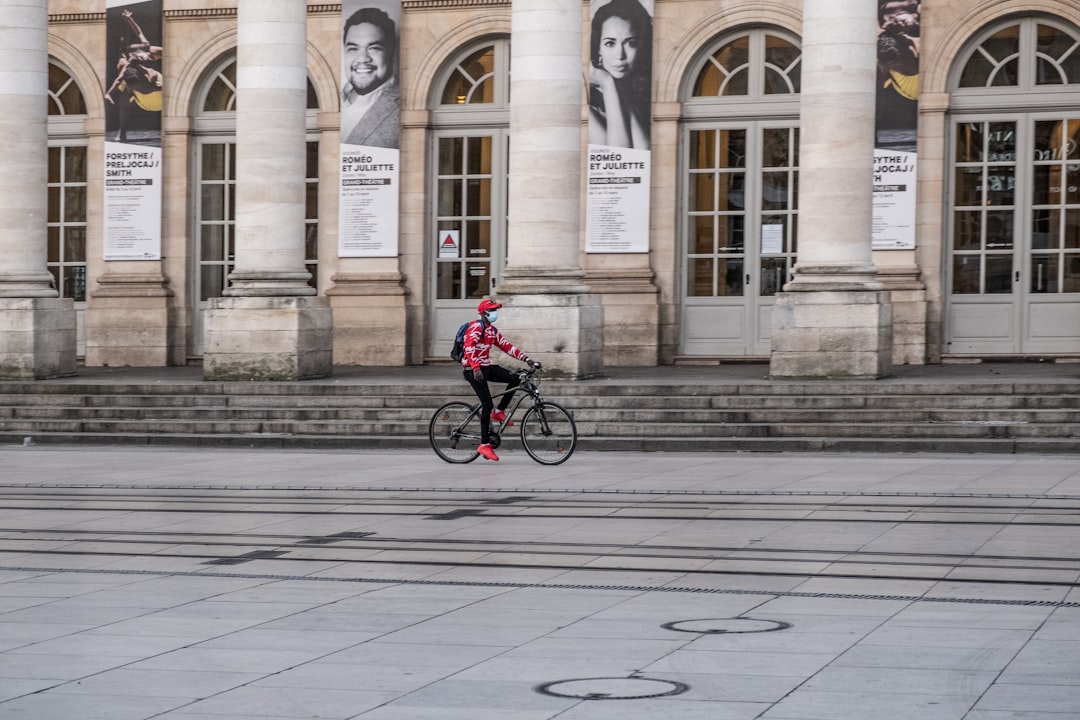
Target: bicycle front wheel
[(548, 433), (454, 432)]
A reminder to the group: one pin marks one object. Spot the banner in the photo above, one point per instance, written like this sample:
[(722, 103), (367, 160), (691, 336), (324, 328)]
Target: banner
[(132, 212), (896, 126), (620, 111), (370, 129)]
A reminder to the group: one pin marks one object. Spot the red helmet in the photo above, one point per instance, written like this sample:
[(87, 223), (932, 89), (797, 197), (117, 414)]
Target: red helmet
[(486, 306)]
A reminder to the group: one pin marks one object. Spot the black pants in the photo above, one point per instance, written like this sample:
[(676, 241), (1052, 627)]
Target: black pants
[(493, 373)]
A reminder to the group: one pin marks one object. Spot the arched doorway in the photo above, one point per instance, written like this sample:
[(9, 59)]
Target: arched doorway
[(467, 186), (1013, 227), (739, 192)]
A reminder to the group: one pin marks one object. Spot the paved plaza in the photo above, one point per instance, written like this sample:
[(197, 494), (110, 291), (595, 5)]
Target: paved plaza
[(204, 584)]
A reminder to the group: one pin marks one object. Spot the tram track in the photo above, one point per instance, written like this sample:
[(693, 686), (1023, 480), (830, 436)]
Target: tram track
[(487, 535)]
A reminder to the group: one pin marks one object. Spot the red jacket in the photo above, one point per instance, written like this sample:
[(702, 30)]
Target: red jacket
[(479, 337)]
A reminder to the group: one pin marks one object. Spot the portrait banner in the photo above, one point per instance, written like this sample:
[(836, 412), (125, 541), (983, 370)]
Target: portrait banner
[(132, 172), (896, 125), (370, 149), (620, 110)]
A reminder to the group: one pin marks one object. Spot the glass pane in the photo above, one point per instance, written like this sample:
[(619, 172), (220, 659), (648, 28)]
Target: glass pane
[(1054, 47), (731, 237), (1001, 141), (478, 194), (977, 71), (313, 276), (450, 155), (701, 235), (702, 192), (1001, 185), (75, 164), (731, 270), (311, 201), (999, 269), (734, 58), (732, 148), (478, 239), (1044, 273), (783, 56), (699, 278), (471, 80), (448, 280), (969, 142), (702, 149), (312, 161), (1071, 281), (965, 275), (773, 275), (732, 191), (1007, 74), (966, 230), (774, 190), (311, 241), (222, 91), (212, 279), (999, 229), (1044, 229), (449, 197), (54, 164), (75, 283), (1072, 184), (479, 160), (75, 245), (708, 81), (1044, 189), (1071, 233), (477, 280), (212, 243), (213, 162), (968, 186), (213, 202), (75, 203), (1047, 73), (54, 205), (312, 97), (1005, 43), (54, 244), (777, 151)]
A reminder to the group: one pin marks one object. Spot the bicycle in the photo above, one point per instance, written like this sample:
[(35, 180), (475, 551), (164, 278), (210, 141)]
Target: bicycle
[(548, 432)]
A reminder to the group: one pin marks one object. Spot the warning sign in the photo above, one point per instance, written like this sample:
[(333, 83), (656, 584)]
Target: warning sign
[(449, 243)]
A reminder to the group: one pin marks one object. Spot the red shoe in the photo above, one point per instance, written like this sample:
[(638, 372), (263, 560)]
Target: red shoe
[(500, 415), (487, 452)]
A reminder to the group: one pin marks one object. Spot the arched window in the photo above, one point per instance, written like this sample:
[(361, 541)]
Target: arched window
[(67, 185), (215, 191), (1013, 232), (739, 200)]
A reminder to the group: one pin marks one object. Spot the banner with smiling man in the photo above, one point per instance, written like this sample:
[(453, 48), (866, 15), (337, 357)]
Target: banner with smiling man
[(370, 129)]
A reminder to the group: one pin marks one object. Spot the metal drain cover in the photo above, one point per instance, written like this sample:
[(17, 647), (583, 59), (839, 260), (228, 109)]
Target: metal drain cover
[(632, 688), (726, 625)]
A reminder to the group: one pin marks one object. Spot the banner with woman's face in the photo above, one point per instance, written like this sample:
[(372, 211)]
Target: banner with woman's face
[(619, 69)]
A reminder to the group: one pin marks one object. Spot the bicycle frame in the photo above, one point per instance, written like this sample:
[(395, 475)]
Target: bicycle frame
[(527, 388)]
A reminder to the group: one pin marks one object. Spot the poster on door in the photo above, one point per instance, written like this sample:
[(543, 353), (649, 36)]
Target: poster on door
[(620, 110), (896, 125), (370, 129), (132, 172)]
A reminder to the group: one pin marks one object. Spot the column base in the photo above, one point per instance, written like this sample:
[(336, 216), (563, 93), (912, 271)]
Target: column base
[(369, 317), (37, 338), (564, 332), (832, 334), (631, 316), (268, 338), (127, 322)]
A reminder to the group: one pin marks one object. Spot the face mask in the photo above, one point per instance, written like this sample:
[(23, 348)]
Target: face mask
[(493, 316)]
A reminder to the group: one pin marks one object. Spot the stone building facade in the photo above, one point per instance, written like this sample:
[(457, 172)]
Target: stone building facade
[(997, 214)]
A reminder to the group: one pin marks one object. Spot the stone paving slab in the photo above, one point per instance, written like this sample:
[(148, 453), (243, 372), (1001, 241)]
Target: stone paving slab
[(87, 634)]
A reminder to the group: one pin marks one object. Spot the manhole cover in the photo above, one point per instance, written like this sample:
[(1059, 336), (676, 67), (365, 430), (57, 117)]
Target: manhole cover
[(726, 625), (612, 688)]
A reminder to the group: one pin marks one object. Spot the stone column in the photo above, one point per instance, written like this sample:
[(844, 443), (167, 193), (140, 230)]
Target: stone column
[(550, 314), (269, 326), (834, 320), (37, 328)]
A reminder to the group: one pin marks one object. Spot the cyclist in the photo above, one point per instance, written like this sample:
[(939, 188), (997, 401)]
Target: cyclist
[(479, 337)]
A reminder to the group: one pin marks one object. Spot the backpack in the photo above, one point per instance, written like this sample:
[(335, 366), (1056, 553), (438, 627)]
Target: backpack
[(458, 351)]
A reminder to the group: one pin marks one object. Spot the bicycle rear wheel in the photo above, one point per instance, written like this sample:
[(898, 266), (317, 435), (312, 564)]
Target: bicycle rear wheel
[(548, 433), (454, 432)]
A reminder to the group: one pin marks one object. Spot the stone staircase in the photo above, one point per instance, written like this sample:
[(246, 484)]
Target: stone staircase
[(661, 411)]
